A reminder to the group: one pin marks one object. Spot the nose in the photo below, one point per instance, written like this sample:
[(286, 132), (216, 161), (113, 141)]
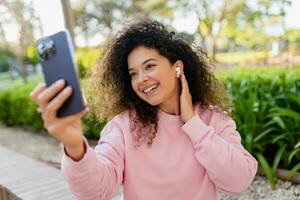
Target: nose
[(142, 77)]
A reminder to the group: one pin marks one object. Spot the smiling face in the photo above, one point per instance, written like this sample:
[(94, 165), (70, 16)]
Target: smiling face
[(153, 77)]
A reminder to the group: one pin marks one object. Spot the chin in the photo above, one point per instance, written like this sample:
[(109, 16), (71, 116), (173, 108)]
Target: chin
[(152, 103)]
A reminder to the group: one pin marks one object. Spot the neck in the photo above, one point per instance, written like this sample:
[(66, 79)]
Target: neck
[(172, 105), (174, 110)]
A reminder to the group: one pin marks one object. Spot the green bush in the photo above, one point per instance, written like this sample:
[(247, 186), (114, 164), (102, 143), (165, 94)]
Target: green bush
[(92, 128), (5, 56), (267, 114), (32, 55), (86, 58), (17, 109)]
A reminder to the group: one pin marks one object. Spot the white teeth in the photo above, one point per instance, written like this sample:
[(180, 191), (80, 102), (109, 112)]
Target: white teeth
[(150, 88)]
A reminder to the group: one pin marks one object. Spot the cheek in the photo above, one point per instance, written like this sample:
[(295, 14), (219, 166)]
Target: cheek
[(170, 84), (134, 86), (168, 80)]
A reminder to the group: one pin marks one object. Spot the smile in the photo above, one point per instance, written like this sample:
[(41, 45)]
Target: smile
[(147, 90)]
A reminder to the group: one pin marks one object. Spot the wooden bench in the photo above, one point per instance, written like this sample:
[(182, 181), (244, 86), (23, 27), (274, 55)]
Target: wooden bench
[(27, 179)]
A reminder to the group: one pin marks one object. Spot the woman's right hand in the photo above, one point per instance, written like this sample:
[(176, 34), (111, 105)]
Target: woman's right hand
[(67, 130)]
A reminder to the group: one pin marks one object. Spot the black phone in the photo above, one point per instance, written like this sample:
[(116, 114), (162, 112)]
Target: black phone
[(57, 59)]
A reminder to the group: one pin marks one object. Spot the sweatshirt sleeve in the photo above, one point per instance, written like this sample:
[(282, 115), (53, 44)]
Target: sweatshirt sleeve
[(220, 152), (100, 172)]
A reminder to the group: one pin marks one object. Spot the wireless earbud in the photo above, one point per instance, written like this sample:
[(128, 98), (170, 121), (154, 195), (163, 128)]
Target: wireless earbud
[(178, 69)]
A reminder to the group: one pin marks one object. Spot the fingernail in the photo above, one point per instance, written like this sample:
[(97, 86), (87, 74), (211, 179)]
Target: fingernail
[(60, 82), (69, 88)]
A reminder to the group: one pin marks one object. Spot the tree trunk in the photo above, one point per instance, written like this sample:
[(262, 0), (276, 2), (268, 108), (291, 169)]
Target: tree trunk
[(214, 50), (69, 19), (2, 37)]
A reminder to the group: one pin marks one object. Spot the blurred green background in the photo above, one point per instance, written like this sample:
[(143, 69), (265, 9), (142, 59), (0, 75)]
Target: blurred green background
[(254, 45)]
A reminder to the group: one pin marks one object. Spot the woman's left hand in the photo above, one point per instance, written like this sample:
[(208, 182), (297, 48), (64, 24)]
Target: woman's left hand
[(186, 105)]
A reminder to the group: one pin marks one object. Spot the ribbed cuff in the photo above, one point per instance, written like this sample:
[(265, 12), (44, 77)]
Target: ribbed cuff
[(196, 129), (68, 162)]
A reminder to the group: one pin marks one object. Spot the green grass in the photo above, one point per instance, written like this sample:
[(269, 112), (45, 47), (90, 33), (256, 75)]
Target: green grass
[(32, 79), (5, 77), (257, 71)]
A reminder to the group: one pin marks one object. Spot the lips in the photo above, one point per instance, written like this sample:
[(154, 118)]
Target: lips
[(148, 89)]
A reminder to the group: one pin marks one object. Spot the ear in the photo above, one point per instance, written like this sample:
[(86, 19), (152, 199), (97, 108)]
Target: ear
[(178, 65)]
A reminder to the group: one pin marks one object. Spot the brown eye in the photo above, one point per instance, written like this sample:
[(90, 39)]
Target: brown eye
[(132, 75), (149, 66)]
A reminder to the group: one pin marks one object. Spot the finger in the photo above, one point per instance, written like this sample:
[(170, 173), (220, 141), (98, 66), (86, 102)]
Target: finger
[(63, 122), (72, 118), (184, 83), (59, 100), (37, 90), (44, 97)]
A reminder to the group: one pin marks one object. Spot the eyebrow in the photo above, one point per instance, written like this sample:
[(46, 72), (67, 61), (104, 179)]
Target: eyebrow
[(150, 59)]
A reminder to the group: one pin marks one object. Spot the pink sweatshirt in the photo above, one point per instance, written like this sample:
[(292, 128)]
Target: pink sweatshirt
[(191, 161)]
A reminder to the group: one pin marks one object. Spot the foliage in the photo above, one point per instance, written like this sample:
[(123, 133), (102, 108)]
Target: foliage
[(292, 37), (91, 127), (22, 16), (86, 58), (94, 17), (32, 55), (240, 57), (267, 114), (5, 56), (17, 109)]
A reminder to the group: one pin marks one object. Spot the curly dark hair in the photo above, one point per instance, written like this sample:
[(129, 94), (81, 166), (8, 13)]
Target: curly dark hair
[(110, 90)]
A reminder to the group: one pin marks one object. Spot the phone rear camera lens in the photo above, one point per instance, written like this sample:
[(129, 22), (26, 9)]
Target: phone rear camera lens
[(46, 48)]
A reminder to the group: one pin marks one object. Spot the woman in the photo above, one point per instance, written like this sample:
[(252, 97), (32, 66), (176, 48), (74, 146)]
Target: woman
[(171, 135)]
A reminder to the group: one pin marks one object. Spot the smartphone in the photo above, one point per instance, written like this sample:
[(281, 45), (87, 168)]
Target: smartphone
[(57, 59)]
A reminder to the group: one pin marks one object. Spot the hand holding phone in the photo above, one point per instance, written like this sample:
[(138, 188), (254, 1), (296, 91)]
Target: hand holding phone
[(58, 62), (60, 99), (67, 130)]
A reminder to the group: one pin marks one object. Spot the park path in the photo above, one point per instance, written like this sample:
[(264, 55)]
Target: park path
[(37, 145)]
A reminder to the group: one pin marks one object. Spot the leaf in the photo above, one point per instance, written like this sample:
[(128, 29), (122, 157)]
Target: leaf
[(269, 123), (294, 97), (267, 169), (294, 152), (249, 142), (279, 121), (293, 171), (262, 134), (285, 112), (279, 137), (277, 158), (297, 145)]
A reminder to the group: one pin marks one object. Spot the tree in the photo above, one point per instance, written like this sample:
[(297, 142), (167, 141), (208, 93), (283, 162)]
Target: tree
[(2, 36), (104, 17), (69, 18), (212, 17), (20, 13), (275, 8), (93, 17)]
